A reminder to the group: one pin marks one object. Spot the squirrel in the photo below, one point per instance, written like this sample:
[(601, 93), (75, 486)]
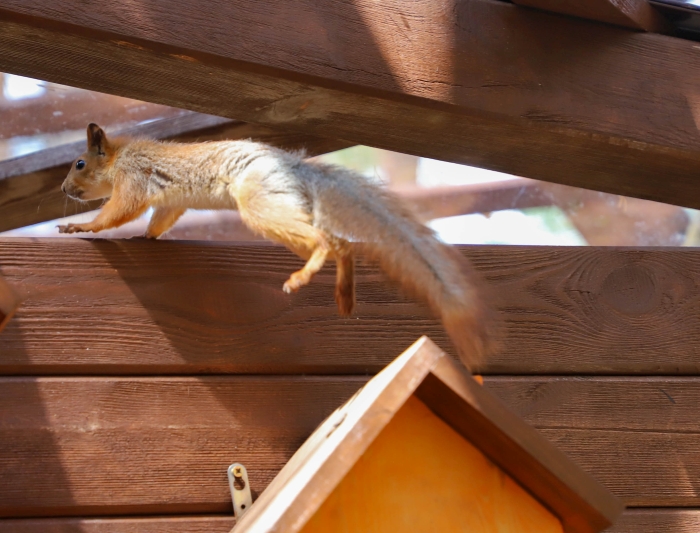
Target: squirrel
[(318, 211)]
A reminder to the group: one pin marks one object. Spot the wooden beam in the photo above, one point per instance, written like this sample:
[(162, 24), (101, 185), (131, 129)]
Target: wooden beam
[(574, 105), (174, 307), (30, 186), (632, 521), (161, 445), (448, 201), (63, 109), (170, 524), (658, 521), (609, 220), (634, 14)]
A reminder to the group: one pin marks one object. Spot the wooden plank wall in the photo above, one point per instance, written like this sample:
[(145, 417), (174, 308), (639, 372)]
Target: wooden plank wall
[(136, 372)]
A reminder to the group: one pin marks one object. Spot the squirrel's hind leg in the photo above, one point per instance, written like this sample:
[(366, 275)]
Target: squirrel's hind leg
[(302, 277), (345, 278)]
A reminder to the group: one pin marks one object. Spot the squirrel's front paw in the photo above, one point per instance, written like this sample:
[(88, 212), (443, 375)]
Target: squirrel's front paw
[(72, 228)]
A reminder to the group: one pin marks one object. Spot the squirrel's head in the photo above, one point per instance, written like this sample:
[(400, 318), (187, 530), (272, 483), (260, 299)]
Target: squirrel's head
[(88, 178)]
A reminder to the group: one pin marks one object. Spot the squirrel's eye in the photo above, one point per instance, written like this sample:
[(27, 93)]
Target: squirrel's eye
[(80, 164)]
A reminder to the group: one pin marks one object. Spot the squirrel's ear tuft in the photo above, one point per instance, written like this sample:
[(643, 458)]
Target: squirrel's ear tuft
[(96, 139)]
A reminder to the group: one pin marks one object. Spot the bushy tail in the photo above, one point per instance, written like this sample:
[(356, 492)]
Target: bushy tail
[(408, 252)]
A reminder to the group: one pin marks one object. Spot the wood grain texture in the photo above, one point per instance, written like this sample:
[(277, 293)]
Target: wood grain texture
[(114, 307), (9, 302), (658, 521), (632, 521), (98, 446), (172, 524), (633, 424), (110, 446), (359, 71), (30, 186), (635, 14)]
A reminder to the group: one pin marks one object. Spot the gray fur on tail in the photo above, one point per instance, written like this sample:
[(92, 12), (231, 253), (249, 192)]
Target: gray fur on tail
[(408, 252)]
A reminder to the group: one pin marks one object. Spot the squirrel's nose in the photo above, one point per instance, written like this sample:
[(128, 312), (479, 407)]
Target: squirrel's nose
[(63, 188)]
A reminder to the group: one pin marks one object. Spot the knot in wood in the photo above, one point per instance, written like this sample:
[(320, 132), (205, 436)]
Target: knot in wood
[(631, 289)]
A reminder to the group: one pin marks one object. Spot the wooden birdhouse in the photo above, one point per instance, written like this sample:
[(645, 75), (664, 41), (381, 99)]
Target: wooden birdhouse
[(9, 302), (424, 447)]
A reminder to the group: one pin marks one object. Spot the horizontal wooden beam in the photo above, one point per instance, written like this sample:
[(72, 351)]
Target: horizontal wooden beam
[(634, 14), (656, 520), (574, 105), (171, 524), (30, 186), (632, 521), (161, 445), (139, 307)]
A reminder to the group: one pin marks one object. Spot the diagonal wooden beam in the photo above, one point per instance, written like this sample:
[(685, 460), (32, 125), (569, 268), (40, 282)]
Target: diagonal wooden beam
[(30, 186), (61, 109), (635, 14), (514, 90)]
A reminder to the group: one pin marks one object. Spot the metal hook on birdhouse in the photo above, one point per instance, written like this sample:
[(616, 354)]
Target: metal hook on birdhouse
[(240, 489)]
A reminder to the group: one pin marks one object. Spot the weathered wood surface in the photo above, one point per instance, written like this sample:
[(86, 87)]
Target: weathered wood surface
[(99, 446), (632, 521), (109, 446), (115, 307), (618, 429), (635, 14), (30, 186), (658, 521), (574, 105), (184, 524)]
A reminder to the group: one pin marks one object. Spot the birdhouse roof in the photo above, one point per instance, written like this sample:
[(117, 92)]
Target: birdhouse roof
[(447, 388)]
